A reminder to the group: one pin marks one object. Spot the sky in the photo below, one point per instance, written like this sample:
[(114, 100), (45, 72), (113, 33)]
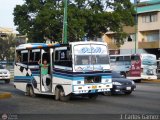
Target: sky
[(6, 12)]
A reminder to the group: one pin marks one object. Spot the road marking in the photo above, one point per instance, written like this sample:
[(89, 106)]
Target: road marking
[(5, 95)]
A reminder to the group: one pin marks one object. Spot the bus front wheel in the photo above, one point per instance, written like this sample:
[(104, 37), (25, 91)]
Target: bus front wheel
[(62, 95), (31, 92), (27, 93), (7, 81), (57, 94)]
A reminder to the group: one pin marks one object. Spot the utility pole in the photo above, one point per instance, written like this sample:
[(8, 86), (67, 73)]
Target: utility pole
[(65, 23), (136, 25)]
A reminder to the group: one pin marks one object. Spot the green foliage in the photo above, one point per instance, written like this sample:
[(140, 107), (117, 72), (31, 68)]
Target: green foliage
[(91, 18)]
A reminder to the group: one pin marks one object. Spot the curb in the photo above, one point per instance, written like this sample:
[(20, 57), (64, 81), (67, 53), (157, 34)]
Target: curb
[(151, 81), (5, 95)]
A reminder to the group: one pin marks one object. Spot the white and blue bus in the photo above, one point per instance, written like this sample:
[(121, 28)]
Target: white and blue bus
[(77, 68)]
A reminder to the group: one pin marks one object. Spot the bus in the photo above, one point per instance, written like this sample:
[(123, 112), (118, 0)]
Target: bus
[(77, 68), (135, 66), (158, 68)]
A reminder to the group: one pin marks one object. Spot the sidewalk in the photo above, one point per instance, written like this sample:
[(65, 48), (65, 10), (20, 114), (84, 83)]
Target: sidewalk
[(5, 95)]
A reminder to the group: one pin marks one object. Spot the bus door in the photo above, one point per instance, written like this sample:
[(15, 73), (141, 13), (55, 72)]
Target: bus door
[(135, 69), (46, 71)]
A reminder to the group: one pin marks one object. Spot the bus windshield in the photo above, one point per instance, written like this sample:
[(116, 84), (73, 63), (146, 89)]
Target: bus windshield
[(91, 59), (149, 60)]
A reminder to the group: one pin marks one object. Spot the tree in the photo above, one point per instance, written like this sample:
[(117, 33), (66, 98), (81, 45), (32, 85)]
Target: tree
[(7, 47), (91, 18)]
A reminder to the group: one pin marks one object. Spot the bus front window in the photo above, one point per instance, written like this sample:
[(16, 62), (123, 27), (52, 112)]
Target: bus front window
[(100, 59), (149, 60), (82, 60)]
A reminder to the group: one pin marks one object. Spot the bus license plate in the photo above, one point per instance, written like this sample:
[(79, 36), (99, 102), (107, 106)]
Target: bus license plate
[(94, 87), (128, 88)]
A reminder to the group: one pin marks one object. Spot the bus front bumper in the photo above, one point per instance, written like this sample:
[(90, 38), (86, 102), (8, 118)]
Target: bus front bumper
[(93, 88), (149, 77)]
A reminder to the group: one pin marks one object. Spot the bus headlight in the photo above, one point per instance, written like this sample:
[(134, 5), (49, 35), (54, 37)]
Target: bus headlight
[(78, 82), (106, 80)]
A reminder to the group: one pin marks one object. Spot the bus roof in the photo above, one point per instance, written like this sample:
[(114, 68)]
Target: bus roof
[(87, 42), (43, 45), (35, 45), (139, 54), (121, 55)]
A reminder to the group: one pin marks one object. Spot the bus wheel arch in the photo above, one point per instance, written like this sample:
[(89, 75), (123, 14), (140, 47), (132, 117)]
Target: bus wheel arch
[(60, 94), (57, 92), (30, 91)]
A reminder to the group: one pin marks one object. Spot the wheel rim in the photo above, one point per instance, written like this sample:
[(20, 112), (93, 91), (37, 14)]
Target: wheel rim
[(31, 91), (62, 93), (27, 90)]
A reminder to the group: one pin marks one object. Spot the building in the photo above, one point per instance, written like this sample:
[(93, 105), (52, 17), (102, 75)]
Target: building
[(5, 32), (148, 31), (9, 39), (149, 26)]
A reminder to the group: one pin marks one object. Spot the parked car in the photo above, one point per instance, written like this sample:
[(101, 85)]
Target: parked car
[(4, 74), (121, 84)]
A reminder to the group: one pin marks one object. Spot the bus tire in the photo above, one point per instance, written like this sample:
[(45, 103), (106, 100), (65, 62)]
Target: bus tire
[(7, 81), (62, 96), (93, 96), (106, 93), (57, 93), (31, 91), (27, 93)]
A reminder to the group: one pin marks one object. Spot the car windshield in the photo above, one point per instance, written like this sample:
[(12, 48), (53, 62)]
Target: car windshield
[(116, 75), (1, 67)]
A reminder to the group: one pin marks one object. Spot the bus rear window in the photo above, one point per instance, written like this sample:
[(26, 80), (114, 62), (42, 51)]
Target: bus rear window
[(135, 57), (119, 58), (127, 58)]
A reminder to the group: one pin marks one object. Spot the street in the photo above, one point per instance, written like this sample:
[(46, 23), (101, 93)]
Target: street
[(145, 100)]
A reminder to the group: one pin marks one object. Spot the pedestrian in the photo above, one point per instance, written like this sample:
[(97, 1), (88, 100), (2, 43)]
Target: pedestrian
[(44, 73)]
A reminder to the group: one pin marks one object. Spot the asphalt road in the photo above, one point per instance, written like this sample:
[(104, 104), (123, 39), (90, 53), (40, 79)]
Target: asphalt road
[(145, 100)]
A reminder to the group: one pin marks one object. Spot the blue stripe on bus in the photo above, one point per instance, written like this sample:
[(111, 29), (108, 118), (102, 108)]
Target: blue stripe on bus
[(82, 75), (23, 77), (35, 74), (59, 75), (67, 77), (106, 77)]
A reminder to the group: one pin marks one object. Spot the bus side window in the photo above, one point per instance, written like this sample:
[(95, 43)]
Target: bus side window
[(18, 56), (31, 57), (34, 57), (24, 58), (135, 58), (63, 58)]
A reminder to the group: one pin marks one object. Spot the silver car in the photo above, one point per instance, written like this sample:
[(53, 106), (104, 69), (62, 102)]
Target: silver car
[(4, 74)]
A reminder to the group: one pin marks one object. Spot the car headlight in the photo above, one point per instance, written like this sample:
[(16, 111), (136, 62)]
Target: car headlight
[(133, 82), (116, 83)]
